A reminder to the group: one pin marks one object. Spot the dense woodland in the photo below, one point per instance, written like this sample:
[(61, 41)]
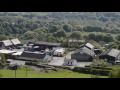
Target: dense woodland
[(100, 27)]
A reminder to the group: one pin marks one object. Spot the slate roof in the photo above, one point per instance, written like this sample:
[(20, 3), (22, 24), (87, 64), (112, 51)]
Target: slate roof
[(47, 43), (85, 50), (70, 60), (33, 55), (15, 41), (7, 42), (111, 52), (89, 45)]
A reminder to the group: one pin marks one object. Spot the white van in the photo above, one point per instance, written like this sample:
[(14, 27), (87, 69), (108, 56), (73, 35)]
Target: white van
[(59, 51)]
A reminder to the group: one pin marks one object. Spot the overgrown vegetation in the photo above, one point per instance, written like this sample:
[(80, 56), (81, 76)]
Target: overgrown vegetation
[(59, 26), (115, 73), (99, 63)]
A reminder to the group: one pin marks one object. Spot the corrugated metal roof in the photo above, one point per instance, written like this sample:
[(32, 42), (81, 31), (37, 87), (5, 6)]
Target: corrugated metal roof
[(111, 52), (47, 43), (6, 51), (85, 50), (15, 41), (7, 42), (89, 45), (33, 55)]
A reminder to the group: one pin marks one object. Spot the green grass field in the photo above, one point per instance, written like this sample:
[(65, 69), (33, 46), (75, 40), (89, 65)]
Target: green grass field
[(62, 73)]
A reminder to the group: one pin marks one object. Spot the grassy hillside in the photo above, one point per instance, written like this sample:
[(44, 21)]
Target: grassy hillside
[(62, 73)]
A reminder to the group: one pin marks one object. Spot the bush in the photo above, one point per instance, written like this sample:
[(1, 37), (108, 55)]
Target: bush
[(28, 63), (89, 70), (115, 73), (1, 75), (99, 62), (24, 68)]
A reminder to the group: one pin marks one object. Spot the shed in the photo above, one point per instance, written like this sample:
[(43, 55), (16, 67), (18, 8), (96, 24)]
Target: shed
[(15, 41), (112, 55), (83, 54), (41, 57), (43, 45), (7, 43), (70, 62)]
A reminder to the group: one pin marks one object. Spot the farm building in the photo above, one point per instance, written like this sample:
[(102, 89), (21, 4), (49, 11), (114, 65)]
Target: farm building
[(83, 54), (7, 44), (37, 56), (16, 42), (111, 55), (1, 45), (70, 62), (88, 45), (46, 45)]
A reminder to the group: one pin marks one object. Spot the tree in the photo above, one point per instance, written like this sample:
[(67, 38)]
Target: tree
[(51, 39), (92, 36), (94, 43), (108, 38), (119, 47), (67, 28), (99, 37), (54, 28), (118, 37), (60, 33), (76, 35), (30, 35), (99, 63)]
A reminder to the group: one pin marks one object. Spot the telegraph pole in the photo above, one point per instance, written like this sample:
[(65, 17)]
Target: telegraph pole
[(26, 71)]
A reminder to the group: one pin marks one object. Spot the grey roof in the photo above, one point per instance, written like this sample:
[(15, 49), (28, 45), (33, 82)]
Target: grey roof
[(7, 42), (33, 55), (111, 52), (89, 45), (85, 50), (82, 41), (47, 43), (15, 41), (29, 40), (70, 60)]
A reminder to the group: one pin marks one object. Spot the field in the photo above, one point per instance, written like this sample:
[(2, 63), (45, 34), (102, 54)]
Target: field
[(62, 73)]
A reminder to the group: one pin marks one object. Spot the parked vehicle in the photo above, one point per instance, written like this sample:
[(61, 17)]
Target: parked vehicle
[(59, 51)]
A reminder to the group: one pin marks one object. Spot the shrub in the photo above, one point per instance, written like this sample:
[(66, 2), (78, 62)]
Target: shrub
[(24, 68), (99, 62), (90, 70), (115, 73)]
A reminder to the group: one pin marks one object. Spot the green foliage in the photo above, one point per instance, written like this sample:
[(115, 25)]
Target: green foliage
[(108, 38), (99, 63), (95, 76), (30, 35), (76, 35), (24, 68), (94, 43), (1, 75), (118, 37), (67, 28), (3, 58), (115, 73), (60, 33), (90, 70)]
